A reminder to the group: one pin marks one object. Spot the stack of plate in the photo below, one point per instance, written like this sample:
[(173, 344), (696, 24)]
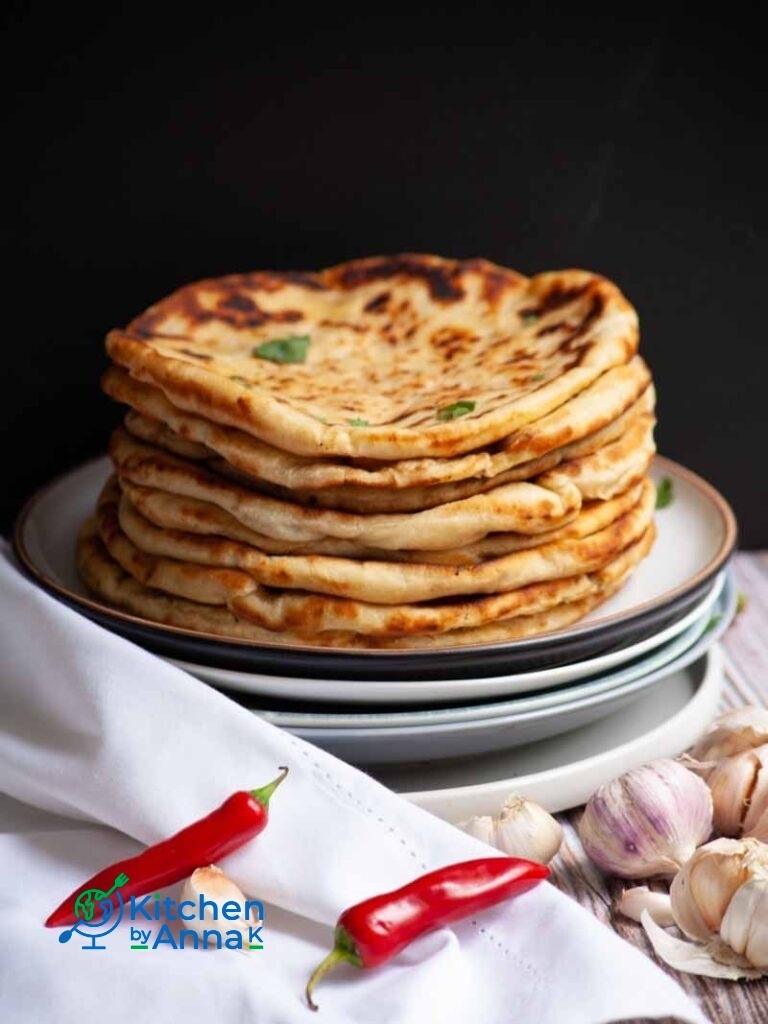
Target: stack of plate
[(457, 728)]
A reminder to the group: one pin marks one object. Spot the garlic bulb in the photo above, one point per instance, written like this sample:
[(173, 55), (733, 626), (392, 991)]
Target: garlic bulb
[(648, 821), (208, 886), (720, 899), (739, 786), (522, 828), (731, 732)]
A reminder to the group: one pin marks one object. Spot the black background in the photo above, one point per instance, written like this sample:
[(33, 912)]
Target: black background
[(141, 154)]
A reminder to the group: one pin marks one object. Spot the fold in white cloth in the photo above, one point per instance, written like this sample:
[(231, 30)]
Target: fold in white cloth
[(106, 747)]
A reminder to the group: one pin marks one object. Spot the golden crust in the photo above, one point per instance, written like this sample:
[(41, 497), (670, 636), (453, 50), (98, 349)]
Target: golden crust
[(394, 342)]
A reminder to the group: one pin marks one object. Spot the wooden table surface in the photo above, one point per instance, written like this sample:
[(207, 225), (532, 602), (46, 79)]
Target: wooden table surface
[(745, 645)]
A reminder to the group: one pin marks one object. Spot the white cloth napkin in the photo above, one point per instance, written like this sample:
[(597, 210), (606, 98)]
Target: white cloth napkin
[(106, 747)]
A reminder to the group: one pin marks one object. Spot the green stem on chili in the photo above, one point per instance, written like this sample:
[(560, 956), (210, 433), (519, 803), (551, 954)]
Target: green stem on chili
[(241, 817), (377, 929)]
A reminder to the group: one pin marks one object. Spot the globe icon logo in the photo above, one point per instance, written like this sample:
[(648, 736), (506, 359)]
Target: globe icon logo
[(98, 913)]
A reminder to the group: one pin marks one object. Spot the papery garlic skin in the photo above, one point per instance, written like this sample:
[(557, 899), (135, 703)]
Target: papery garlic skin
[(648, 821), (217, 888), (732, 732), (522, 828)]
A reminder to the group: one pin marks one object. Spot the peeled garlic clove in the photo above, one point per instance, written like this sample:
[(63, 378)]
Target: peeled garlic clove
[(216, 888), (704, 886), (632, 902), (648, 821), (732, 732), (522, 828)]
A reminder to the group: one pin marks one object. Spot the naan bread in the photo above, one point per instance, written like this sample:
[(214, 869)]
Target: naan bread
[(180, 519), (535, 506), (635, 426), (104, 578), (598, 409), (401, 356), (178, 562), (369, 580)]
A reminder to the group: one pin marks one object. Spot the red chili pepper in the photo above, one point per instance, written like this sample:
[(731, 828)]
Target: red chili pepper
[(372, 932), (241, 817)]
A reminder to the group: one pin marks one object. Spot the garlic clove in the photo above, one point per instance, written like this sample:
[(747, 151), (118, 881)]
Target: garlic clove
[(648, 821), (632, 902), (522, 828), (745, 922), (481, 827), (732, 782), (704, 886), (758, 799), (525, 829), (215, 887), (732, 732)]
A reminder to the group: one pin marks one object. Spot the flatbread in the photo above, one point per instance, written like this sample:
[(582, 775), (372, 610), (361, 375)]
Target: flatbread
[(612, 471), (599, 407), (545, 503), (403, 356), (181, 517), (104, 578), (234, 570)]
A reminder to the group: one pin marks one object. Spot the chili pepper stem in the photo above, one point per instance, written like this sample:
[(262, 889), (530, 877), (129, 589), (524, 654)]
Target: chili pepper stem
[(344, 951), (265, 792)]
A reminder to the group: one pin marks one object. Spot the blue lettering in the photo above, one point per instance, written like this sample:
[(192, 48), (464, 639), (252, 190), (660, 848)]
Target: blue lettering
[(211, 904), (168, 903), (139, 908), (182, 915), (184, 933), (254, 934), (231, 910), (216, 937), (249, 904), (165, 936), (234, 939)]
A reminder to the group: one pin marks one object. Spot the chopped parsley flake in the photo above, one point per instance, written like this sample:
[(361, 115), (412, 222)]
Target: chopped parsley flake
[(357, 422), (665, 494), (529, 318), (452, 412), (284, 350)]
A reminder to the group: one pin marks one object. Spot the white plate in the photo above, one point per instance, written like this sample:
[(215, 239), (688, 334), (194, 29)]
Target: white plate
[(695, 536), (424, 691), (675, 654), (407, 737), (562, 772)]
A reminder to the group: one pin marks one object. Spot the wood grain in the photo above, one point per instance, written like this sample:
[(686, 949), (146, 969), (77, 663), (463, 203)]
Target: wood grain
[(745, 645)]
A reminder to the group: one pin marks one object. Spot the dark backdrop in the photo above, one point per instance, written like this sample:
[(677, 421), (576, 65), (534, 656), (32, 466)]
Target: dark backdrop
[(140, 154)]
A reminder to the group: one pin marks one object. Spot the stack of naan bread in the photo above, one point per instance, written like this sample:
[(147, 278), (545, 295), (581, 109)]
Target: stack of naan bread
[(403, 451)]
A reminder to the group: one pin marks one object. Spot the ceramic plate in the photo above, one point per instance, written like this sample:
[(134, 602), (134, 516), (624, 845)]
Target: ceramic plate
[(696, 535), (422, 691), (563, 771), (406, 737), (677, 654)]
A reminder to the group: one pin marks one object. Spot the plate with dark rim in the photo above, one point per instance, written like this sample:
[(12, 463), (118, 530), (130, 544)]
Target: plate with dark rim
[(696, 534)]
